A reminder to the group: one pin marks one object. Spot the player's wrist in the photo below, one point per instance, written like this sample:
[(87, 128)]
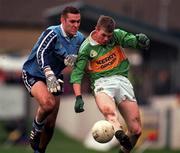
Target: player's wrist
[(79, 97), (48, 72)]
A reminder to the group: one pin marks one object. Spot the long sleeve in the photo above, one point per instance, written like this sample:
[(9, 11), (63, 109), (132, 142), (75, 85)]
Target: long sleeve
[(46, 43), (125, 39), (79, 69)]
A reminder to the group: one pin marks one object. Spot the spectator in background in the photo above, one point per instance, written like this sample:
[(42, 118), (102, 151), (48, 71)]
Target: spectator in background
[(108, 66), (55, 49)]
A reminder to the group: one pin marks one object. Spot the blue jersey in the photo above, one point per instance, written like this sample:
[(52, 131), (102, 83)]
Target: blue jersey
[(50, 50)]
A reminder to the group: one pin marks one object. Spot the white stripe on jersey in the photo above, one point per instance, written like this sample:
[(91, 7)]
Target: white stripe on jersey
[(84, 44), (41, 52), (24, 77)]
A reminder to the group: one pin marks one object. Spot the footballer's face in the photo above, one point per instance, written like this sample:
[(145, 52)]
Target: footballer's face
[(102, 37), (71, 23)]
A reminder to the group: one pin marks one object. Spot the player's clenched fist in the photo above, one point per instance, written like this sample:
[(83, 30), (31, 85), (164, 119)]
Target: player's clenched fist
[(143, 41), (78, 107)]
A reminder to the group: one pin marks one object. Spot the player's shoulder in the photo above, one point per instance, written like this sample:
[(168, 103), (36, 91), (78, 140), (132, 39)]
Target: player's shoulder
[(50, 31), (85, 46), (119, 31), (54, 29), (80, 35)]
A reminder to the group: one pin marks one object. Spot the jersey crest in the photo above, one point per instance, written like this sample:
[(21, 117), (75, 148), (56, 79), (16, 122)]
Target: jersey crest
[(93, 53)]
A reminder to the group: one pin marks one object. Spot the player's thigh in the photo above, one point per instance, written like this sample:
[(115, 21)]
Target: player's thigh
[(40, 92), (131, 114), (105, 103)]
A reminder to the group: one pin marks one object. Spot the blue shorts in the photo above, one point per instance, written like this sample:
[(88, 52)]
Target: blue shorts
[(30, 80)]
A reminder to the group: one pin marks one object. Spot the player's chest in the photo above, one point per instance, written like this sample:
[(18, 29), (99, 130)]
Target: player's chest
[(71, 47), (102, 51)]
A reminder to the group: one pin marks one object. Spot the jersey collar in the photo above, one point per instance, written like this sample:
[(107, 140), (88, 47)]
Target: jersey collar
[(91, 40), (64, 33)]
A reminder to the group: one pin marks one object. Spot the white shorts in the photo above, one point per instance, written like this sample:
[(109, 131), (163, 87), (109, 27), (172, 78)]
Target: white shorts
[(118, 87)]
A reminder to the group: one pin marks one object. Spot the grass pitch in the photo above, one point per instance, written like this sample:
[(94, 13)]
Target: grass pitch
[(63, 144)]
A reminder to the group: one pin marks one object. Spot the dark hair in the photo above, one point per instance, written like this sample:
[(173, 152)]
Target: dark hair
[(69, 9), (107, 23)]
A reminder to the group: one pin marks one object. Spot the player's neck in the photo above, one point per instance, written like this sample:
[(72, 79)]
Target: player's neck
[(94, 36)]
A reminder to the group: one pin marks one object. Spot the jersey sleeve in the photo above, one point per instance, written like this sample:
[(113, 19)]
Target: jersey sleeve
[(46, 43), (79, 68), (125, 39)]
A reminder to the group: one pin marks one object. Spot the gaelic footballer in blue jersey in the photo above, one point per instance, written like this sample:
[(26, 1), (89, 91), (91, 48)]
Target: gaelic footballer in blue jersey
[(55, 49)]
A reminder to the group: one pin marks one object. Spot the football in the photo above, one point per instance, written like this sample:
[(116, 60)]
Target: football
[(103, 131)]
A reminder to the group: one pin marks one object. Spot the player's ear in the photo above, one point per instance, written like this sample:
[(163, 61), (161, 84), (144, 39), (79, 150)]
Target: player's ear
[(62, 19), (97, 28)]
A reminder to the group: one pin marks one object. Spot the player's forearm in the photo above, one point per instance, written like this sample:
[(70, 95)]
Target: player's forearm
[(77, 75), (130, 41), (77, 89)]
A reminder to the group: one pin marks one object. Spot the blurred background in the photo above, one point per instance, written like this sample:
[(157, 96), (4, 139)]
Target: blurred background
[(154, 74)]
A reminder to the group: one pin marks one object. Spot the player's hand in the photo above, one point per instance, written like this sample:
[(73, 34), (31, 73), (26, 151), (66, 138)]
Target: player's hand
[(70, 60), (53, 84), (143, 41), (78, 107)]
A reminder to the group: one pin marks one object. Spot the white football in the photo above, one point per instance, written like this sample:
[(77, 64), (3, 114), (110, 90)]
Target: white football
[(103, 131)]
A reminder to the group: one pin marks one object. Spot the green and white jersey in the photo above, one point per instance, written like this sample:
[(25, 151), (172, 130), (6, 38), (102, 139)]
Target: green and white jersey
[(103, 60)]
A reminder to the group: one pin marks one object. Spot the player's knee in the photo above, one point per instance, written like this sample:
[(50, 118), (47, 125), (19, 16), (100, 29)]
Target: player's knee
[(136, 131), (111, 116), (49, 104)]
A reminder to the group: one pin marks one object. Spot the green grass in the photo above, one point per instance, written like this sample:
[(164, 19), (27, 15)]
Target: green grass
[(63, 144)]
